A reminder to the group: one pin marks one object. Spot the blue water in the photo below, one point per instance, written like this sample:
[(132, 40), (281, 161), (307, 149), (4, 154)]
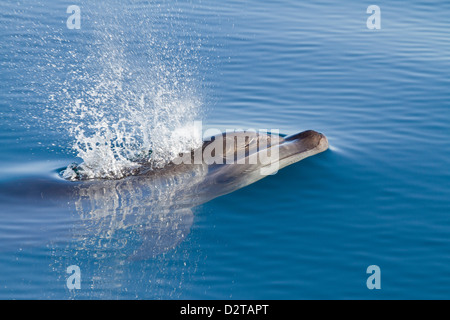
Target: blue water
[(379, 196)]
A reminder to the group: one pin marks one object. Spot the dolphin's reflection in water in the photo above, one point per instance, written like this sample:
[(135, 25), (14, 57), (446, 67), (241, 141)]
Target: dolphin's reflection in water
[(158, 209)]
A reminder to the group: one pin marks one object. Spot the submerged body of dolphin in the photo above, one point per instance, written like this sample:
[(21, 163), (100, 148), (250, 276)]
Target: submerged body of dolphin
[(158, 203)]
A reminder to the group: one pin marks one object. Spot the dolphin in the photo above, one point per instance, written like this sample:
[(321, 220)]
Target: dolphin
[(157, 203)]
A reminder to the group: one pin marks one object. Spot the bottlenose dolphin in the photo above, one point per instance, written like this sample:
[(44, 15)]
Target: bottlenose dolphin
[(157, 204)]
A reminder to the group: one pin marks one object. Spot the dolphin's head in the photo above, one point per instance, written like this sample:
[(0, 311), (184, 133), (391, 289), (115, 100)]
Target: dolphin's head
[(259, 153)]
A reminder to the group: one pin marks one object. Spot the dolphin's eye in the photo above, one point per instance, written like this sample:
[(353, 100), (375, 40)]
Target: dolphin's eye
[(263, 141)]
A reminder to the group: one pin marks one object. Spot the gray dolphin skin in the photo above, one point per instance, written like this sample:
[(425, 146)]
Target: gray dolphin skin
[(157, 204)]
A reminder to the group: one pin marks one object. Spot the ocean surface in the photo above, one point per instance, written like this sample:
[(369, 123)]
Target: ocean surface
[(134, 77)]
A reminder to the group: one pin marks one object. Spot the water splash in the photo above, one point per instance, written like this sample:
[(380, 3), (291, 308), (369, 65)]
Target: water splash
[(134, 98)]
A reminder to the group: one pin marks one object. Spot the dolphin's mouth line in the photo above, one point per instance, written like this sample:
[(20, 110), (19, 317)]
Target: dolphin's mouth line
[(293, 157)]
